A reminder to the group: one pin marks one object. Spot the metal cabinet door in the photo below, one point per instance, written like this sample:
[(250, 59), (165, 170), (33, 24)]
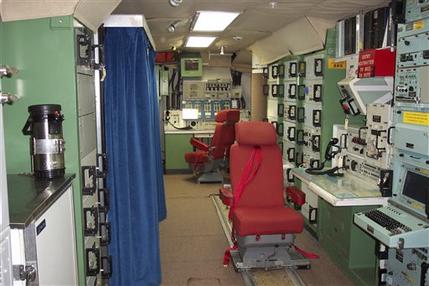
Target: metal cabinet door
[(56, 243)]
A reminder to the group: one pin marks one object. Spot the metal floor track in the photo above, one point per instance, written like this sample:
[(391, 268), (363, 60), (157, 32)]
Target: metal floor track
[(290, 276)]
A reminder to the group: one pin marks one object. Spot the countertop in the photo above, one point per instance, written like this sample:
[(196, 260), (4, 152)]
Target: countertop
[(342, 191), (29, 196)]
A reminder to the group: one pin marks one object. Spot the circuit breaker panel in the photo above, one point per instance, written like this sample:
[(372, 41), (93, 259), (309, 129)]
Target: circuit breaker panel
[(293, 114), (274, 90), (313, 97)]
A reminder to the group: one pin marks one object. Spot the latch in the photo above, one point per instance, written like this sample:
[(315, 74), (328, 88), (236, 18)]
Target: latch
[(292, 112), (105, 234), (278, 71), (291, 154), (92, 261), (89, 173), (102, 165), (291, 92), (277, 90), (291, 133), (289, 176), (293, 69), (318, 67), (26, 273), (275, 71), (90, 217), (317, 92), (103, 196), (106, 267), (84, 49), (312, 215), (317, 117), (315, 143)]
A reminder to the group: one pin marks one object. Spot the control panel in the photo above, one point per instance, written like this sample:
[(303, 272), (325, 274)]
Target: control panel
[(416, 9), (407, 267), (412, 85)]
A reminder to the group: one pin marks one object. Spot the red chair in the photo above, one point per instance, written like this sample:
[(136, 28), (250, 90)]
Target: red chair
[(208, 159), (263, 228)]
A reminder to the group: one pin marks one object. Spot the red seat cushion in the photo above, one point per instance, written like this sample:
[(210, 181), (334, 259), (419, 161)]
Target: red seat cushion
[(198, 157), (276, 220)]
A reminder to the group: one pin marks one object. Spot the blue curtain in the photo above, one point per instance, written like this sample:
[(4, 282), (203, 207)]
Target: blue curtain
[(133, 147)]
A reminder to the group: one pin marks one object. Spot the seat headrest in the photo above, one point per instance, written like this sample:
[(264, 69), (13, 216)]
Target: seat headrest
[(228, 115), (255, 133)]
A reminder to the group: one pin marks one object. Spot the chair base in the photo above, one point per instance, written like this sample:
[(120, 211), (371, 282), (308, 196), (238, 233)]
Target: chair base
[(267, 252), (211, 177)]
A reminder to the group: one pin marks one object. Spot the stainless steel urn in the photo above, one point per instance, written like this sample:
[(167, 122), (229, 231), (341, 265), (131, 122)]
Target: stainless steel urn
[(45, 127)]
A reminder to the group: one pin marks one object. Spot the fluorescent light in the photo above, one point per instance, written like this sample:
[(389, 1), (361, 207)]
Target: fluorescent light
[(199, 42), (211, 21)]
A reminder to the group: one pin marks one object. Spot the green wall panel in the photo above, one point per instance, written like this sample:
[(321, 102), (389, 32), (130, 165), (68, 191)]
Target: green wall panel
[(176, 145), (43, 51)]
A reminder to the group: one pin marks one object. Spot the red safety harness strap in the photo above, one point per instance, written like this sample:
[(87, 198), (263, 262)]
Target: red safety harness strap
[(248, 174), (309, 255)]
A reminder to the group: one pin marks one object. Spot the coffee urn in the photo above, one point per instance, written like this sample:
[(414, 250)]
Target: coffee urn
[(45, 127)]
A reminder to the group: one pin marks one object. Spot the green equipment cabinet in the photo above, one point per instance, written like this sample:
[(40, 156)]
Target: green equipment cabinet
[(176, 145), (51, 65), (347, 245), (311, 109)]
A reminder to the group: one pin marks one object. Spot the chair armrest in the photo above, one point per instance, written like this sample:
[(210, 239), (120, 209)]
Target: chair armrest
[(199, 145), (226, 195)]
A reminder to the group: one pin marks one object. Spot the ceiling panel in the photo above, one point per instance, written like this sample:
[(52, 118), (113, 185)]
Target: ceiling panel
[(257, 21)]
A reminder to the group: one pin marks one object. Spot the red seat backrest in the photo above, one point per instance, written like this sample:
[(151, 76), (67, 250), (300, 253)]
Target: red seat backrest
[(224, 135), (266, 189)]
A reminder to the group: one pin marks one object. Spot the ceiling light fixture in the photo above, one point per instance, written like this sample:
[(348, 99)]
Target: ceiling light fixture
[(175, 3), (211, 21), (274, 4), (199, 42), (171, 28)]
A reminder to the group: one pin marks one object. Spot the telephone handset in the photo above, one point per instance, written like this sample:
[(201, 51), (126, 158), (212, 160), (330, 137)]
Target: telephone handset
[(331, 151)]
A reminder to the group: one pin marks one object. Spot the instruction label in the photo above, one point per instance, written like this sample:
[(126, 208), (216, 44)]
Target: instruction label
[(418, 25), (418, 118)]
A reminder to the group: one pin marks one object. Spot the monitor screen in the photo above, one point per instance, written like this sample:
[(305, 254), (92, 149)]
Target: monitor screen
[(189, 114), (416, 187), (192, 65)]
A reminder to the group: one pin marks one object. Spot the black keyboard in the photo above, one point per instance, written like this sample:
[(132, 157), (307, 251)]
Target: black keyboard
[(386, 221)]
